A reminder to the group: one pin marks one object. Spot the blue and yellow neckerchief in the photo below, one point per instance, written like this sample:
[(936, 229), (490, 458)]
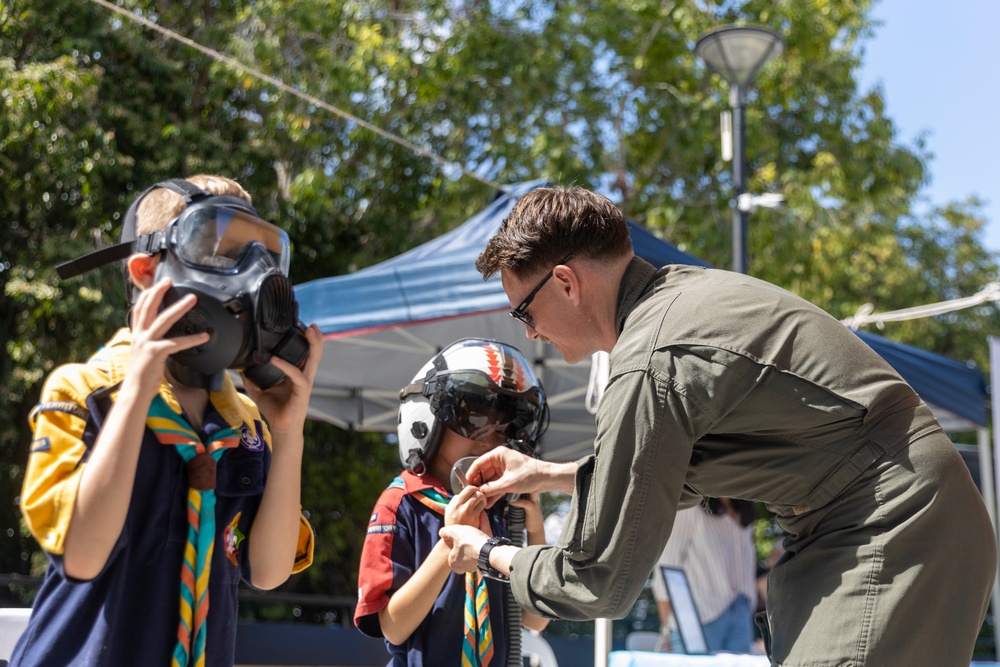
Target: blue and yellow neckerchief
[(172, 429), (477, 647)]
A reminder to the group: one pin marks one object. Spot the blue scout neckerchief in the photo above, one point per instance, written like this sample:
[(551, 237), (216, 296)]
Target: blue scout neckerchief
[(478, 642), (172, 429)]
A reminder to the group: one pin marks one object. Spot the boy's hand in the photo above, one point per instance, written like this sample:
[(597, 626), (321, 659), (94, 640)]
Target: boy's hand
[(466, 508), (465, 543), (286, 404), (534, 522), (150, 349)]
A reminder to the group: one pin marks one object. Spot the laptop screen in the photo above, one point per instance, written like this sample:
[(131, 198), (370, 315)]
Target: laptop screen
[(685, 613)]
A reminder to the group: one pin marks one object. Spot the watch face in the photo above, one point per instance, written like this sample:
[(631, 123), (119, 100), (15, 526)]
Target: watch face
[(485, 568)]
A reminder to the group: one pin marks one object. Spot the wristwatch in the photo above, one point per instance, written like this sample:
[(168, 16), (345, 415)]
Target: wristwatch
[(484, 559)]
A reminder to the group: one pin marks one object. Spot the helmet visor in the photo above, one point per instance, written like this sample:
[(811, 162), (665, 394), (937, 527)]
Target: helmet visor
[(218, 238), (475, 407)]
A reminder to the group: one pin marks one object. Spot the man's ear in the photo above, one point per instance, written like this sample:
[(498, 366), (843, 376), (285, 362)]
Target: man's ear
[(142, 269), (568, 281)]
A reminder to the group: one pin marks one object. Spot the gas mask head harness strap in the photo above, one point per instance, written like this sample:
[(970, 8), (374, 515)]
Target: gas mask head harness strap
[(236, 264), (208, 229)]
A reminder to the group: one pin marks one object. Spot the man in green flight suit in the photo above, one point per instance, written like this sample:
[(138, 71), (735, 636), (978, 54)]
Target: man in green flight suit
[(722, 385)]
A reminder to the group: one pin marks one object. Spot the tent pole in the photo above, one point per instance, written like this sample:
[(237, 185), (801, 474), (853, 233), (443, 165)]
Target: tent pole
[(602, 641), (986, 480), (994, 465), (986, 473), (987, 483)]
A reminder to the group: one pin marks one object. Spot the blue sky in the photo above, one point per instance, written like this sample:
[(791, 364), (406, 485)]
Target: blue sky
[(939, 67)]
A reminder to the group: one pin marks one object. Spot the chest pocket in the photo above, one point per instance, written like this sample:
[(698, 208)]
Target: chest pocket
[(240, 473)]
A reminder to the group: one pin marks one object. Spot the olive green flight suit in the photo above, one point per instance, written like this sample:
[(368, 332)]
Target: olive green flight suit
[(722, 385)]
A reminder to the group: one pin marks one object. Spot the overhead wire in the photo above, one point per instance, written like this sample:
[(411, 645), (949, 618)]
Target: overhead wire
[(866, 315), (281, 85)]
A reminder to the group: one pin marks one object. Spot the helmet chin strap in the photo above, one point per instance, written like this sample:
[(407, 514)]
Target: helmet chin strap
[(520, 441)]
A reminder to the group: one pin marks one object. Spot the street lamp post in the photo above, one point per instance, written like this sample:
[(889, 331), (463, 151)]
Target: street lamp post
[(736, 53)]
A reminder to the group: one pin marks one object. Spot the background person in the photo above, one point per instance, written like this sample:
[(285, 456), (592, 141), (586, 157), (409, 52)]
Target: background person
[(151, 496), (722, 385), (474, 396), (713, 544)]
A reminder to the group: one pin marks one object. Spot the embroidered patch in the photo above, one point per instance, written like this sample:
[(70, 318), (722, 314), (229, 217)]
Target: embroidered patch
[(62, 406), (374, 518), (40, 445), (232, 538), (250, 440), (381, 528)]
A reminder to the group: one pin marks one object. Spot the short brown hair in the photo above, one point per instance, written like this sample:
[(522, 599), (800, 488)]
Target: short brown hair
[(161, 205), (549, 223)]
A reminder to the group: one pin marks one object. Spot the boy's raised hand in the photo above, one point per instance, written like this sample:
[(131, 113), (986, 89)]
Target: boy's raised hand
[(466, 508), (286, 404), (150, 347)]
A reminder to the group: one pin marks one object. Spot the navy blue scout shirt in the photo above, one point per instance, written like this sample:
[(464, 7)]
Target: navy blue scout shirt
[(401, 533), (128, 615)]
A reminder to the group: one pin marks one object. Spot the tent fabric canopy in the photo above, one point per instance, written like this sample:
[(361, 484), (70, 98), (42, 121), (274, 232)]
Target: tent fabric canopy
[(437, 279), (382, 323), (956, 392)]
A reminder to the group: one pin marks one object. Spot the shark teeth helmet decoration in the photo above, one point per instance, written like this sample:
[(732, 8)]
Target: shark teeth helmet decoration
[(473, 387)]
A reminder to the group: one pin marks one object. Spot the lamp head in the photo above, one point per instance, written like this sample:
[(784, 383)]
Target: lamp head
[(736, 52)]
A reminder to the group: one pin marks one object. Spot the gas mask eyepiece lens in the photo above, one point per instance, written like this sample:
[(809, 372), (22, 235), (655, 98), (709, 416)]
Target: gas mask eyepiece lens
[(218, 238)]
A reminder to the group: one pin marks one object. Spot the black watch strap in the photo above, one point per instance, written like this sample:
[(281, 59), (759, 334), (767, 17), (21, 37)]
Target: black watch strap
[(484, 559)]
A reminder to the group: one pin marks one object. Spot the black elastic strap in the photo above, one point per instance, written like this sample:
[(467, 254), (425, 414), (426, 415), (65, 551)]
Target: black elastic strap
[(415, 389), (75, 267), (150, 244), (92, 260)]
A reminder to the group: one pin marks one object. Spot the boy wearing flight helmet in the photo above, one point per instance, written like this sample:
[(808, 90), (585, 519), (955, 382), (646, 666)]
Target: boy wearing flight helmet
[(152, 485), (472, 397)]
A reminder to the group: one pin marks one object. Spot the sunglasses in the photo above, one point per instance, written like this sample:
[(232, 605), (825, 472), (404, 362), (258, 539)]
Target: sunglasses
[(520, 313)]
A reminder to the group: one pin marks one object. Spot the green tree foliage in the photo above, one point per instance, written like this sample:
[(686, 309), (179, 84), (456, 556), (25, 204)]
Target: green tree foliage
[(606, 94), (55, 153)]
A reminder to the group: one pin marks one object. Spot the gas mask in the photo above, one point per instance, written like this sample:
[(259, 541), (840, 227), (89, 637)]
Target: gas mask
[(236, 265)]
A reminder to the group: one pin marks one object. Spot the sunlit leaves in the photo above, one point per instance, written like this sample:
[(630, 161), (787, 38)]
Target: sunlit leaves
[(606, 94)]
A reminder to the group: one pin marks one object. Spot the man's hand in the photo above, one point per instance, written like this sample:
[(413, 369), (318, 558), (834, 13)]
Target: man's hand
[(503, 470), (465, 543)]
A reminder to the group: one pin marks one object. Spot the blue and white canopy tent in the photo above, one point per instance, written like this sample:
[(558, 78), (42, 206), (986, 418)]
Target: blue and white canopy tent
[(382, 323)]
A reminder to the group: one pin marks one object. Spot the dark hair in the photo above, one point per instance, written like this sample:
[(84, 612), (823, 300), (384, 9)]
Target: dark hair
[(746, 510), (549, 223)]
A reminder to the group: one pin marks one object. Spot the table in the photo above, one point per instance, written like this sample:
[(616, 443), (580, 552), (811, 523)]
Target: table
[(648, 659)]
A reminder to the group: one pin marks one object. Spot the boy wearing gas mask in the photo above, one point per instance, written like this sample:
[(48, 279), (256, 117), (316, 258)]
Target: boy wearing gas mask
[(470, 398), (152, 485)]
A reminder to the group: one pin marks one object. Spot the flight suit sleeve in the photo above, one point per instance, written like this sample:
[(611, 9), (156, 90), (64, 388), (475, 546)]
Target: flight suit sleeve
[(627, 494)]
